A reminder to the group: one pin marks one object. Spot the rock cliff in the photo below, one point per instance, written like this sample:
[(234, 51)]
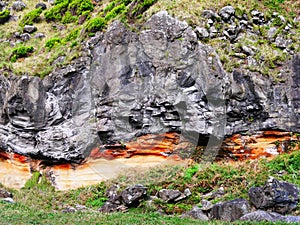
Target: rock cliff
[(161, 81)]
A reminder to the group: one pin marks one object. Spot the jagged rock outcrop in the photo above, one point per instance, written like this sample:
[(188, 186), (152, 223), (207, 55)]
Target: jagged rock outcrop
[(281, 197), (127, 85)]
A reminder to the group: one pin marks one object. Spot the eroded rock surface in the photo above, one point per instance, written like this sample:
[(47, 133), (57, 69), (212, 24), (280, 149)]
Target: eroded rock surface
[(128, 85), (281, 197)]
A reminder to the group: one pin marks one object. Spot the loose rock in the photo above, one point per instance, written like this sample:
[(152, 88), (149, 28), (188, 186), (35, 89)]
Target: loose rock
[(231, 210), (41, 5), (196, 213), (29, 29), (226, 12), (278, 196), (18, 5)]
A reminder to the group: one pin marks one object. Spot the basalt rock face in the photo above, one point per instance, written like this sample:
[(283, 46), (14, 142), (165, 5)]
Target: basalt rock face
[(128, 85)]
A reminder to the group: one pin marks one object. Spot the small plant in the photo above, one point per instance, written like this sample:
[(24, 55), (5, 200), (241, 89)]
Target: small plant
[(68, 11), (115, 12), (68, 18), (52, 42), (56, 13), (20, 52), (78, 7), (72, 35), (4, 16), (96, 24), (33, 181), (31, 17), (190, 172)]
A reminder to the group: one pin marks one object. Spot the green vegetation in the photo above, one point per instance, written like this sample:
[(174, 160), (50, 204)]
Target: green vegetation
[(31, 17), (4, 16), (68, 11), (39, 203), (20, 52), (96, 24), (52, 42)]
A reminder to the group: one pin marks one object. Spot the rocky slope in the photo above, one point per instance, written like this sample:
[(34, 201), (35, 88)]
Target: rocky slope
[(158, 91)]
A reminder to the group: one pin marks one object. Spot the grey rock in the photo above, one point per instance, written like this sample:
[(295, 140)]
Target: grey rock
[(109, 207), (8, 199), (214, 194), (18, 5), (5, 194), (195, 213), (3, 4), (169, 195), (51, 2), (25, 37), (127, 84), (29, 29), (41, 5), (231, 210), (69, 209), (209, 14), (213, 32), (81, 207), (280, 42), (187, 192), (39, 35), (226, 12), (206, 205), (281, 197), (272, 32), (129, 197), (201, 32), (260, 215), (247, 50), (134, 194)]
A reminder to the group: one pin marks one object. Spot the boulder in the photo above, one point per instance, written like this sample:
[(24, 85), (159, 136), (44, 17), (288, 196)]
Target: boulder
[(41, 5), (25, 37), (129, 197), (39, 35), (9, 200), (201, 32), (18, 5), (281, 197), (5, 194), (231, 210), (169, 195), (261, 215), (226, 13), (195, 213), (134, 194), (29, 29)]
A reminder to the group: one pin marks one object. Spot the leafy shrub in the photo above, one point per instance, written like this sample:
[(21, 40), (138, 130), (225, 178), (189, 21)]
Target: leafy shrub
[(190, 172), (21, 51), (4, 16), (109, 7), (53, 41), (31, 17), (72, 35), (56, 13), (68, 18), (96, 24), (67, 11), (115, 11), (78, 7)]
